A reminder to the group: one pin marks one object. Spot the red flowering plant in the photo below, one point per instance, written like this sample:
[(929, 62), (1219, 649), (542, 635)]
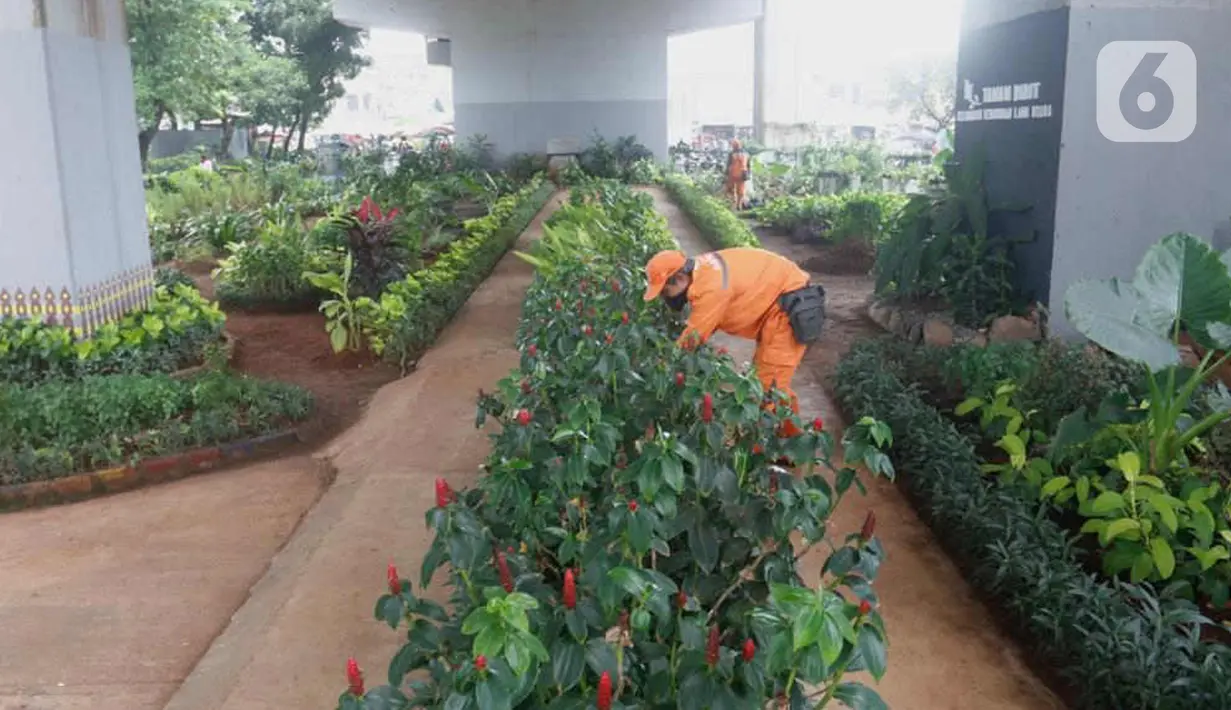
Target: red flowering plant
[(630, 545), (377, 245)]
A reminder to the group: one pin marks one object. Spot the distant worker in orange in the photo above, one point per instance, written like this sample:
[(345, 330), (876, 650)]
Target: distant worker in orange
[(737, 174), (749, 293)]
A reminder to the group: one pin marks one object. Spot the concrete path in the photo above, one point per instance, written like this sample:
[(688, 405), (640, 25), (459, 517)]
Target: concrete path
[(287, 646), (108, 604), (945, 652)]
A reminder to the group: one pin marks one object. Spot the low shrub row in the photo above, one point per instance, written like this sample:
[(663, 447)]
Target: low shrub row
[(630, 544), (1111, 644), (867, 216), (716, 222), (173, 332), (411, 312), (64, 427)]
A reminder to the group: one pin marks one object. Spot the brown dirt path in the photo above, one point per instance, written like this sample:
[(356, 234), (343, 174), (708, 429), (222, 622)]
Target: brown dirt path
[(287, 646), (945, 651), (107, 604)]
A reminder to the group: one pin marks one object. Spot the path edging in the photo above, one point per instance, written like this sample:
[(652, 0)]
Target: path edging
[(160, 469)]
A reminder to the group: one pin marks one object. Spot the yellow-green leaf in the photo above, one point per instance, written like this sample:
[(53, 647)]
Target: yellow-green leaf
[(1164, 557), (966, 407), (1166, 512), (1129, 463), (1116, 528), (1054, 486), (1107, 502)]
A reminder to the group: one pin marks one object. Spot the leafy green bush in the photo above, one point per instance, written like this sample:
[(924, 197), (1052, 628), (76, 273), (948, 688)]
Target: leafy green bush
[(1114, 645), (170, 334), (716, 222), (267, 272), (868, 216), (630, 543), (415, 309), (59, 428), (169, 278), (615, 161)]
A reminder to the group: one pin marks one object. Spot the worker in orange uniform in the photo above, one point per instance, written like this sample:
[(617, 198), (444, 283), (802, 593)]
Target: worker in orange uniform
[(749, 293), (737, 174)]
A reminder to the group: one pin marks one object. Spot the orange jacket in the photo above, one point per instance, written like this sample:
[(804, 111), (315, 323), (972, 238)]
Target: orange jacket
[(737, 165), (736, 290)]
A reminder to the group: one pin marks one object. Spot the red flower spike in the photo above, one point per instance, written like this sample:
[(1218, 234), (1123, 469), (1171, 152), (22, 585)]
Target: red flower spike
[(604, 691), (707, 408), (588, 330), (711, 647), (532, 350), (750, 650), (865, 607), (444, 494), (506, 577), (559, 304), (524, 417), (570, 590), (681, 599), (869, 526), (679, 379), (610, 338), (632, 506), (722, 351), (354, 677), (624, 317), (525, 386), (480, 663), (395, 584), (818, 424)]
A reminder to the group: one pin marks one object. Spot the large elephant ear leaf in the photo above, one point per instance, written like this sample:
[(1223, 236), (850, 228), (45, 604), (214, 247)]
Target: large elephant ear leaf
[(1182, 278), (1113, 314)]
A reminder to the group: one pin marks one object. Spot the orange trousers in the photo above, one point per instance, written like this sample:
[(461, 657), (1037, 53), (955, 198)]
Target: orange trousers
[(777, 357), (736, 189)]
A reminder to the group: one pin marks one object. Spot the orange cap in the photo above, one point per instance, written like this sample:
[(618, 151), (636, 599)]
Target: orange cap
[(662, 267), (736, 144)]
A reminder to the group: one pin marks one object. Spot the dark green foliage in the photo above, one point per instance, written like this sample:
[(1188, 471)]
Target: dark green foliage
[(58, 428), (716, 222), (942, 248), (1113, 645), (614, 161), (169, 277)]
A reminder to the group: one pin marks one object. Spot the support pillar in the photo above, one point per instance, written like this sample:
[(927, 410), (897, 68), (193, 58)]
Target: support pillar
[(1047, 91), (760, 78), (72, 207)]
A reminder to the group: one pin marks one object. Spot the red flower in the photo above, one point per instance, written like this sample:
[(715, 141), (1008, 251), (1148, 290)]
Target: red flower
[(750, 650), (559, 304), (707, 408), (624, 317), (570, 590), (681, 599), (604, 691), (395, 584), (615, 286), (610, 338), (869, 526), (649, 431), (773, 483), (722, 351), (532, 350), (444, 494), (711, 647), (632, 506), (588, 330), (367, 210), (506, 577), (525, 385), (524, 417), (480, 663), (679, 379), (865, 607), (818, 424), (354, 677)]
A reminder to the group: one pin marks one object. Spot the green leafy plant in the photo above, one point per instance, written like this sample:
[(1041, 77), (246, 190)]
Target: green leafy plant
[(346, 318), (714, 219), (267, 272), (631, 541)]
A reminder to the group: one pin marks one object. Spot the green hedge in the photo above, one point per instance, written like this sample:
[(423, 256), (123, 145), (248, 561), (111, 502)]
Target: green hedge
[(65, 427), (718, 224), (1112, 645), (414, 311)]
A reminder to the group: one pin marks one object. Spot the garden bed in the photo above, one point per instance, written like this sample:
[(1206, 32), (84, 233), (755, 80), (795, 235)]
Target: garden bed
[(1110, 644)]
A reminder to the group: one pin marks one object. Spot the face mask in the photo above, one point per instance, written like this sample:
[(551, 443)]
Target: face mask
[(677, 303)]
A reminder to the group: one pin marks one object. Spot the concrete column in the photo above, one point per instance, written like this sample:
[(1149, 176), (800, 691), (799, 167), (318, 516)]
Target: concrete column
[(760, 76), (1058, 98), (72, 212)]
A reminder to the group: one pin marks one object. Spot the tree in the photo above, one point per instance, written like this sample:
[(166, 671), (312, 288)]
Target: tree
[(179, 50), (326, 52), (927, 89)]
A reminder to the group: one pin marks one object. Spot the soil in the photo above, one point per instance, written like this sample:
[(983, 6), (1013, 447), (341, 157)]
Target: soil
[(850, 257)]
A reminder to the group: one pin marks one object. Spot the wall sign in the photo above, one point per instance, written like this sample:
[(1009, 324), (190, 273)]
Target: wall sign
[(1003, 102)]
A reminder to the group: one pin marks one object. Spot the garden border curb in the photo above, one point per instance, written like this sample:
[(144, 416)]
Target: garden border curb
[(160, 469)]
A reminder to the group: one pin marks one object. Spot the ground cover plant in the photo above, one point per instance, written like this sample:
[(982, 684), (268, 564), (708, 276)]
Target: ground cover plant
[(1108, 643), (62, 427), (866, 216), (713, 218), (629, 544), (171, 333)]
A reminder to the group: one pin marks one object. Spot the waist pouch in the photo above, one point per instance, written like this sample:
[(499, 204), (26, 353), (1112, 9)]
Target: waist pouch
[(805, 308)]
